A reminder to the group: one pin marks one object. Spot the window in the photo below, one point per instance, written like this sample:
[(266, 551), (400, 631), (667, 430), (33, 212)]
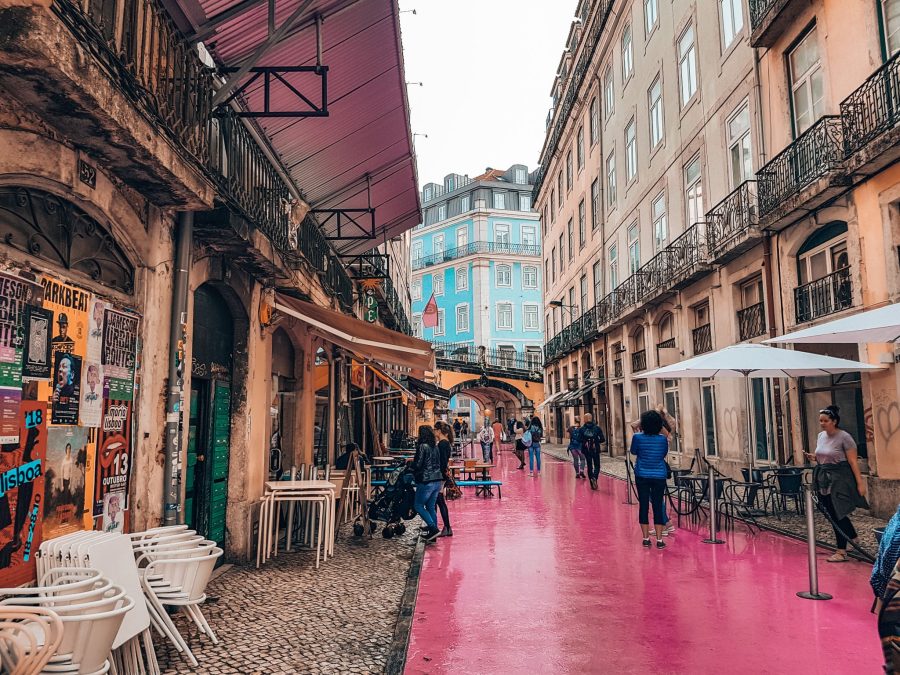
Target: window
[(547, 269), (751, 292), (572, 307), (501, 233), (807, 82), (462, 237), (763, 420), (594, 121), (643, 397), (634, 248), (627, 55), (504, 275), (595, 204), (732, 20), (553, 262), (524, 201), (821, 261), (427, 194), (464, 203), (579, 148), (890, 17), (529, 276), (417, 325), (553, 205), (506, 356), (450, 183), (462, 278), (555, 321), (657, 121), (562, 253), (598, 281), (611, 179), (693, 191), (504, 316), (529, 236), (630, 152), (583, 287), (416, 289), (738, 133), (521, 176), (437, 244), (570, 233), (417, 251), (559, 189), (569, 171), (441, 327), (534, 358), (437, 283), (581, 217), (609, 94), (442, 212), (530, 317), (651, 15), (462, 318), (614, 266), (660, 222), (687, 65), (499, 200)]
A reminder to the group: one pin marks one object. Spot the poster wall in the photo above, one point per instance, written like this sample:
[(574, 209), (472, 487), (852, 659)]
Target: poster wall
[(113, 456), (64, 478), (15, 295), (22, 496)]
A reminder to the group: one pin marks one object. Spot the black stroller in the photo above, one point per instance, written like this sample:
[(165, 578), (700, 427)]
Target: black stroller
[(394, 504)]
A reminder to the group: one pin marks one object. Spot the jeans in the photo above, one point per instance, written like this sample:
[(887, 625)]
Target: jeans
[(846, 531), (426, 497), (592, 460), (577, 460), (534, 454), (486, 451), (651, 491)]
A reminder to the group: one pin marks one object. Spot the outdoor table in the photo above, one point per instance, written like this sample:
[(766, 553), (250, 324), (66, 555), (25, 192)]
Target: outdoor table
[(479, 467), (304, 490), (383, 459)]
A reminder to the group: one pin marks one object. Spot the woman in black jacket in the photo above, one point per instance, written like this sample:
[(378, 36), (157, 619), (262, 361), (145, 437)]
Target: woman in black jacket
[(426, 468), (444, 433)]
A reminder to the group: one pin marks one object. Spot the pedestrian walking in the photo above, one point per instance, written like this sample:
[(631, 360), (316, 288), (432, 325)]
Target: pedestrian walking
[(592, 439), (532, 438), (426, 466), (839, 484), (444, 434), (499, 434), (574, 448), (486, 438), (650, 448), (457, 426), (520, 446), (667, 429), (510, 428)]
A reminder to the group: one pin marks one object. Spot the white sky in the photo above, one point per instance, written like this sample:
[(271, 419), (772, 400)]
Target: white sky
[(487, 67)]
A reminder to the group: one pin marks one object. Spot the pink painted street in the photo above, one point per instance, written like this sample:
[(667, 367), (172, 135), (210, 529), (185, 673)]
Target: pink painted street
[(553, 578)]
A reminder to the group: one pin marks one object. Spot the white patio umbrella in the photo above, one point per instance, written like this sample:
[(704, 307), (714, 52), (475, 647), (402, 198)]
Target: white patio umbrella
[(758, 361), (875, 325)]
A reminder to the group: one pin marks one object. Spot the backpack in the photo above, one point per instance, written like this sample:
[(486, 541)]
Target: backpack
[(484, 435), (591, 438), (527, 438), (536, 433)]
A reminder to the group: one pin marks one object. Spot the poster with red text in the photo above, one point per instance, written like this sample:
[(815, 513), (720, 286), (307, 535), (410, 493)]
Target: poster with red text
[(113, 466)]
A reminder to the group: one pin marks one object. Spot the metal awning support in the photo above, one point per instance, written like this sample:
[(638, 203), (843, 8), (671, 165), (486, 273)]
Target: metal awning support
[(275, 75), (347, 218)]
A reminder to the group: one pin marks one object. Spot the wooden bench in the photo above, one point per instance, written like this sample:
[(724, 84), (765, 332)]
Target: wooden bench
[(486, 486)]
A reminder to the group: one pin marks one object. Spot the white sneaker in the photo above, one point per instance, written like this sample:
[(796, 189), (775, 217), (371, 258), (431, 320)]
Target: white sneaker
[(531, 474), (669, 530)]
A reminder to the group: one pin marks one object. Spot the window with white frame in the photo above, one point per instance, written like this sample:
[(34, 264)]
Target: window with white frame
[(807, 82), (416, 290), (529, 276), (442, 212), (559, 189), (693, 191), (627, 54), (651, 15), (437, 283), (614, 266), (739, 151), (534, 358), (732, 20), (450, 183), (630, 151), (579, 147), (501, 233), (634, 248), (462, 318), (823, 260), (581, 217), (570, 226), (595, 204), (562, 253), (464, 203), (583, 287), (416, 251), (417, 325), (499, 200), (553, 263), (427, 194), (530, 317), (657, 119), (504, 316), (521, 176), (598, 281), (503, 275), (462, 237), (569, 173), (611, 179), (660, 222), (609, 92), (529, 235), (552, 205), (594, 121), (441, 326), (462, 278), (687, 65), (555, 320), (437, 245), (890, 20), (506, 356), (524, 201)]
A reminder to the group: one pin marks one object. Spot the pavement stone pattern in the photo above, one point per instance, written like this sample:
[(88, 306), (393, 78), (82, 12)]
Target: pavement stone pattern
[(789, 522), (288, 617)]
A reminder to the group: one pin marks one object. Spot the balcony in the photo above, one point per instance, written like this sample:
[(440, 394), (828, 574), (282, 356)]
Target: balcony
[(701, 336), (666, 352), (732, 226), (639, 361), (804, 175), (467, 358), (870, 118), (751, 321), (477, 247), (770, 18), (313, 246), (822, 297)]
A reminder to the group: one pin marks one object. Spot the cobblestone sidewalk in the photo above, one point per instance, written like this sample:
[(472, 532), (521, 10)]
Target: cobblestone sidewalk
[(288, 617), (790, 522)]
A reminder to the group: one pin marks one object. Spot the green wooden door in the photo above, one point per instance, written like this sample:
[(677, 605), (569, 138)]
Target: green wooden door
[(218, 454), (194, 426)]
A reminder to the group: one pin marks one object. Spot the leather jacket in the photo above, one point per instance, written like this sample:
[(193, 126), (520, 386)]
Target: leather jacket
[(427, 464)]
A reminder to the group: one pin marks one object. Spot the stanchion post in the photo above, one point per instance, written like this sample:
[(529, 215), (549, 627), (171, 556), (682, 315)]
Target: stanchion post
[(813, 593), (713, 509), (628, 498)]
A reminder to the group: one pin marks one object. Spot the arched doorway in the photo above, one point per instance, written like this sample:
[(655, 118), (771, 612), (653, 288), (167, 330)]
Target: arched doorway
[(209, 425)]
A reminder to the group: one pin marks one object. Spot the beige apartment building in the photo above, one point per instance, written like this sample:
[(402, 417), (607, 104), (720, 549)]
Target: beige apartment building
[(716, 175)]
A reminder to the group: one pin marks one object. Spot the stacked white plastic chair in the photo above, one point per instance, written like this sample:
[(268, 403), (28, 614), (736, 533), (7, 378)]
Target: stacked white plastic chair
[(175, 566), (29, 637), (91, 610)]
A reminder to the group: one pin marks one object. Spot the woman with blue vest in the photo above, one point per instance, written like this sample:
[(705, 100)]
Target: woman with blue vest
[(650, 472)]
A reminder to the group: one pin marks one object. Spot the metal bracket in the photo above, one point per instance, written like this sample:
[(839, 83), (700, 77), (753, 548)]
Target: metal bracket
[(368, 265), (273, 75), (344, 218)]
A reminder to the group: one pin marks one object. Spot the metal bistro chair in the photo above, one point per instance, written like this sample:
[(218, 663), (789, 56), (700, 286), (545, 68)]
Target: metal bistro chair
[(736, 504), (762, 496), (789, 487)]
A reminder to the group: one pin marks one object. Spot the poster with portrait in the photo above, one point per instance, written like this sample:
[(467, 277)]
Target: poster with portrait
[(15, 295), (10, 402), (119, 353), (70, 306), (64, 479), (22, 467), (66, 397), (92, 394), (95, 329), (37, 364), (113, 455), (114, 512)]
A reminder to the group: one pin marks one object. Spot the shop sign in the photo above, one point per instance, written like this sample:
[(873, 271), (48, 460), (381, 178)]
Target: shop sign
[(370, 304)]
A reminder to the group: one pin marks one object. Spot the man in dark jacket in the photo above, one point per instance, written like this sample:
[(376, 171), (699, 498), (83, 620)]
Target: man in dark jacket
[(591, 439), (427, 468)]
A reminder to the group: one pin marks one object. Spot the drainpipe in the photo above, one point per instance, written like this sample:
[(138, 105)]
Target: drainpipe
[(172, 500)]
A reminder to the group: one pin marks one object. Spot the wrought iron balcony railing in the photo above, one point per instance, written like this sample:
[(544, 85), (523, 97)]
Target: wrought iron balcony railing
[(824, 296), (474, 248), (873, 108), (816, 152), (732, 219), (491, 361), (315, 248), (758, 11), (639, 361), (751, 321), (702, 339)]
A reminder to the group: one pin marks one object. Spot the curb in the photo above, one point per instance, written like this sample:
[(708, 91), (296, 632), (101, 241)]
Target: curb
[(396, 661)]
